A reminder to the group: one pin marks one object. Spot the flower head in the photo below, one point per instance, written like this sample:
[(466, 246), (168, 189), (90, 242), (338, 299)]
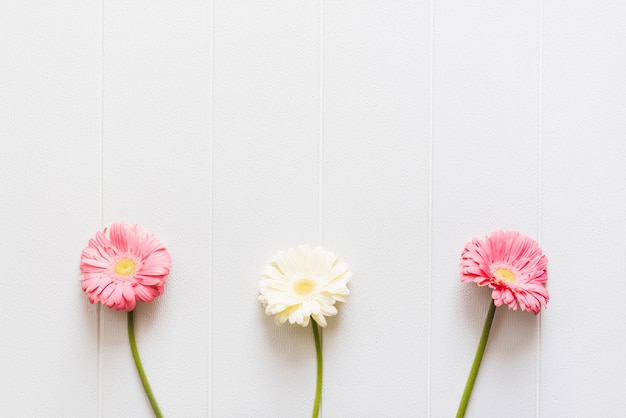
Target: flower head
[(302, 283), (511, 264), (127, 266)]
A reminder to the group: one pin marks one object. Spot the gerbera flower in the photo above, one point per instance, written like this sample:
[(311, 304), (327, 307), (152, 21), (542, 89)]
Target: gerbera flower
[(302, 283), (511, 264), (129, 266)]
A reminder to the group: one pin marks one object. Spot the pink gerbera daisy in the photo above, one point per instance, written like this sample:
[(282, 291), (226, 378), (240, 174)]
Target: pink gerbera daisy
[(132, 265), (511, 264)]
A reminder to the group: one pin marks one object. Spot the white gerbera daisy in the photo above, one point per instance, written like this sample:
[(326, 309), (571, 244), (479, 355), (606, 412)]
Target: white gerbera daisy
[(302, 283)]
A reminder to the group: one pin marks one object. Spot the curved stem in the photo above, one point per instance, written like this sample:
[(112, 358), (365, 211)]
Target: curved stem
[(142, 374), (320, 367), (469, 386)]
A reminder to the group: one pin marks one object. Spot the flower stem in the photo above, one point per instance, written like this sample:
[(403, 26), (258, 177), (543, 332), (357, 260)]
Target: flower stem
[(469, 386), (320, 367), (142, 374)]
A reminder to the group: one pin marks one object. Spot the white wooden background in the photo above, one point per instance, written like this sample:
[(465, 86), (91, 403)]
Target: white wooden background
[(392, 132)]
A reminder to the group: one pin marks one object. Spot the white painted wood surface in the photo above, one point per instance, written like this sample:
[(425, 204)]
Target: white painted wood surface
[(390, 132)]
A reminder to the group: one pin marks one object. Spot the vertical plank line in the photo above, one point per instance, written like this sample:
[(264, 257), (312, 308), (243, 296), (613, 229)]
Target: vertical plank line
[(431, 105), (211, 190), (100, 316), (539, 196), (320, 167), (320, 228)]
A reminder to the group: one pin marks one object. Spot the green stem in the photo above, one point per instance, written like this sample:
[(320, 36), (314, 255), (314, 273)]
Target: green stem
[(469, 386), (320, 367), (142, 374)]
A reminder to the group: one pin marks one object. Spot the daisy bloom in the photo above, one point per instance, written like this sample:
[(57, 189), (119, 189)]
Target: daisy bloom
[(127, 266), (302, 283), (512, 265)]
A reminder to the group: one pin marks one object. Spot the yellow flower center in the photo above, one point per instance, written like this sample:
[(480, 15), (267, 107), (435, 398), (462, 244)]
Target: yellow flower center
[(124, 267), (304, 287), (505, 275)]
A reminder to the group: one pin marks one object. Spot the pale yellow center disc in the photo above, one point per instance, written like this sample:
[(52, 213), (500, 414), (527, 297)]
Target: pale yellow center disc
[(304, 287), (505, 275), (124, 267)]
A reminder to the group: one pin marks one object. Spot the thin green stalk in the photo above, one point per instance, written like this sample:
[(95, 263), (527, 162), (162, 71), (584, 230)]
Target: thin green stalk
[(320, 367), (469, 386), (142, 374)]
